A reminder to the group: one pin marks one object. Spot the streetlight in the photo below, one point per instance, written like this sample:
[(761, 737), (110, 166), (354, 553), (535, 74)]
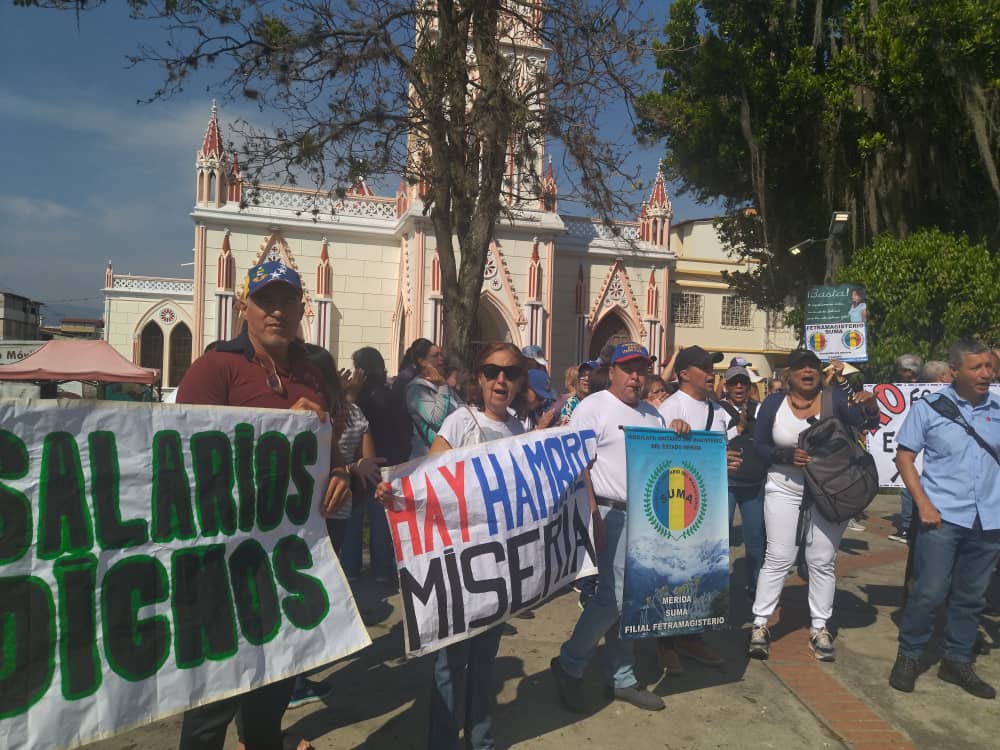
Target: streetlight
[(838, 224)]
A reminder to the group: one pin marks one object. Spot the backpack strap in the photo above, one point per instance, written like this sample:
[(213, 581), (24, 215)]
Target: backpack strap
[(711, 415), (732, 411), (826, 404), (949, 410)]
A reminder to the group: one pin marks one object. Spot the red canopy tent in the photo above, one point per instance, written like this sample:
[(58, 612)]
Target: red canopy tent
[(78, 360)]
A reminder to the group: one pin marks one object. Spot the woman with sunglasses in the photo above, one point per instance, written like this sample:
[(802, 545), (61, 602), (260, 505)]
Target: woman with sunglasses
[(466, 668)]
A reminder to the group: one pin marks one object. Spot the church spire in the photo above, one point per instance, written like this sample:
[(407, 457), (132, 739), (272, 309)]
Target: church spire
[(213, 145), (214, 167), (654, 219)]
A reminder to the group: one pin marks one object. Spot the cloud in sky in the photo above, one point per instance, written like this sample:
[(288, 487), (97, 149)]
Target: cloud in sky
[(22, 208), (123, 126)]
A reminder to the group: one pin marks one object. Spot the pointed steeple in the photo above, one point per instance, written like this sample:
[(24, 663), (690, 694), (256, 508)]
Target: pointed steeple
[(109, 276), (324, 274), (547, 201), (535, 273), (215, 171), (213, 145), (651, 295), (658, 196), (225, 271), (361, 189), (654, 219)]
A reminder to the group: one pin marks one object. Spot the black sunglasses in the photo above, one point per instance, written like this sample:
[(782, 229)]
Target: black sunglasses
[(492, 372)]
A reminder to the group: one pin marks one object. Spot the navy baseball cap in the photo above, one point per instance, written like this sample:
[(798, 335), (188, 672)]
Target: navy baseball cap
[(695, 356), (539, 382), (270, 272), (589, 364), (628, 351), (804, 358)]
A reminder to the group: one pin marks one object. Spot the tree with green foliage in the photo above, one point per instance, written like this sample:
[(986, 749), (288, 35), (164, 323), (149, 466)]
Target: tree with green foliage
[(923, 293), (441, 91), (787, 110)]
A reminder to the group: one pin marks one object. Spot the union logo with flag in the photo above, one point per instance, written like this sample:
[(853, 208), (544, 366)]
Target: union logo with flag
[(675, 501), (817, 341), (853, 339)]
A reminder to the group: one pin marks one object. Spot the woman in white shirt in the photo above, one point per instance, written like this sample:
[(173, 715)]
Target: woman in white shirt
[(780, 420), (466, 667)]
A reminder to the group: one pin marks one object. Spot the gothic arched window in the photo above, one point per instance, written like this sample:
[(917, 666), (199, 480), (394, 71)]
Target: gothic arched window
[(151, 346)]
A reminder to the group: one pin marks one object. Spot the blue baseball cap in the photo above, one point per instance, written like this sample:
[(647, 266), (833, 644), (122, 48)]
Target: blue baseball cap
[(589, 364), (261, 275), (628, 351), (539, 382)]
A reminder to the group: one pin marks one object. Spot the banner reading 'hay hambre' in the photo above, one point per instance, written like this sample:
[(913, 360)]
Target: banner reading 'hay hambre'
[(486, 531), (154, 558)]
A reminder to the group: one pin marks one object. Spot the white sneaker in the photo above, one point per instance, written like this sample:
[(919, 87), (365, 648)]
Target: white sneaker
[(853, 525), (821, 644), (760, 642)]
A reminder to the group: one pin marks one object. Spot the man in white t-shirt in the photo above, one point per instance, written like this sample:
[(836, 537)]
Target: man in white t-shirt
[(693, 407), (605, 413)]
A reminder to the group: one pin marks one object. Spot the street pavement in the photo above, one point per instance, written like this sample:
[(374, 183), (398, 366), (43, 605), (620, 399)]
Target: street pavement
[(380, 700)]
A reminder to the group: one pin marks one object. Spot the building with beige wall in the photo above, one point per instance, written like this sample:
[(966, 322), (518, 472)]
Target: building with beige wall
[(372, 278)]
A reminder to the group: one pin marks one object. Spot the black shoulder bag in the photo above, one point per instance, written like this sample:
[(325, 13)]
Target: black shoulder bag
[(841, 478)]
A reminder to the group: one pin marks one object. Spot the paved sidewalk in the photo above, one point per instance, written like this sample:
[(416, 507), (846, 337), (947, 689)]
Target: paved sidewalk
[(791, 701)]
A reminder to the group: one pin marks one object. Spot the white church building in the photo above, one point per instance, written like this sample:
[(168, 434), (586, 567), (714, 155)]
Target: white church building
[(368, 264)]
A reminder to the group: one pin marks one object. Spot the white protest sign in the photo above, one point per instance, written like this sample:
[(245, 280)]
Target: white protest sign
[(483, 532), (155, 558), (894, 402)]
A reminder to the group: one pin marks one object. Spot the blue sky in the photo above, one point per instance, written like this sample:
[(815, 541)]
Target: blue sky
[(88, 174)]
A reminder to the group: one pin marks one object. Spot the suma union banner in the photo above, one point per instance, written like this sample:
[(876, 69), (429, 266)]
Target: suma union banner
[(486, 531), (155, 558), (677, 549)]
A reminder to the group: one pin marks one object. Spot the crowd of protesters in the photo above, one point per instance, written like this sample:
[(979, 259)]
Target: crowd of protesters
[(950, 513)]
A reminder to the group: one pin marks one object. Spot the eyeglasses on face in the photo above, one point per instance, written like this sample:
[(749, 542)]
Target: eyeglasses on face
[(492, 372)]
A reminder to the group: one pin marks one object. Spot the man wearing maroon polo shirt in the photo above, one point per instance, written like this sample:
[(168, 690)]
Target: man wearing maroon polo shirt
[(264, 367)]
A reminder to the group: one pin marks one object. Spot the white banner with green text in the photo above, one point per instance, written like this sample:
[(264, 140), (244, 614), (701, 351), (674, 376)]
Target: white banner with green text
[(155, 558)]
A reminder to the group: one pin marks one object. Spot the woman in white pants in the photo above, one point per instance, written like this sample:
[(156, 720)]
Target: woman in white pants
[(780, 419)]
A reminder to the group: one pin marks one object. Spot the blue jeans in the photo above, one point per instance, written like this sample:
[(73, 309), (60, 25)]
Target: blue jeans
[(905, 510), (463, 672), (750, 498), (601, 615), (379, 542), (953, 563)]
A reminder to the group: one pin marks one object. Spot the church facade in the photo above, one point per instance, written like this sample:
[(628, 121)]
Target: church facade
[(371, 274)]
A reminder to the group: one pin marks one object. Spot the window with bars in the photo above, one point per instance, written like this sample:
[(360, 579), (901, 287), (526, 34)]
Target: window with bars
[(687, 309), (736, 312)]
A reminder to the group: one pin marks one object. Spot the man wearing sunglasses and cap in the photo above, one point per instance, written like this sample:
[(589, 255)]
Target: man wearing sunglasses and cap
[(605, 413), (264, 367)]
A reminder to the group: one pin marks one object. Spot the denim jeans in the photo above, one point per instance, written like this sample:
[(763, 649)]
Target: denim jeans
[(953, 563), (379, 543), (905, 510), (463, 673), (601, 615), (750, 498)]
